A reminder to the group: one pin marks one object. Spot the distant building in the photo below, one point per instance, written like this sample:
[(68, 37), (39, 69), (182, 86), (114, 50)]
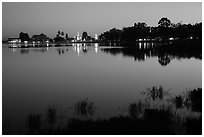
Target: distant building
[(42, 38), (14, 40)]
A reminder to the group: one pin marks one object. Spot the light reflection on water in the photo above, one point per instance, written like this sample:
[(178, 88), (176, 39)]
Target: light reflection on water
[(110, 77)]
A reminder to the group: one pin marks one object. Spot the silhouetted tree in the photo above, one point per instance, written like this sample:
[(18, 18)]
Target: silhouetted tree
[(59, 39), (62, 33), (164, 60), (197, 31), (66, 37), (24, 36), (163, 31), (164, 22), (141, 30), (111, 35), (84, 35)]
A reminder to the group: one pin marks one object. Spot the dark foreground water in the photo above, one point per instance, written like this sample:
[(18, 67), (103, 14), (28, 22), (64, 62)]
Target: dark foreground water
[(110, 77)]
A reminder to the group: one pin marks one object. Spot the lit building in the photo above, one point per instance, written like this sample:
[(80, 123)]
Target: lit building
[(14, 40)]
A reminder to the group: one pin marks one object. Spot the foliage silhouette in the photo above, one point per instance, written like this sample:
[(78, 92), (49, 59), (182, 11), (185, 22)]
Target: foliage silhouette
[(51, 114), (85, 108), (34, 122), (163, 31), (143, 118)]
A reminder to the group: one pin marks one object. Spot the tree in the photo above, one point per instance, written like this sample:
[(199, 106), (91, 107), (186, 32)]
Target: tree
[(112, 35), (24, 36), (59, 39), (164, 22), (141, 30), (140, 25), (66, 36), (84, 35), (62, 33), (59, 32)]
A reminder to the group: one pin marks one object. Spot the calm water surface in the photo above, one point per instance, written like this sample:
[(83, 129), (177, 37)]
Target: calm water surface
[(34, 78)]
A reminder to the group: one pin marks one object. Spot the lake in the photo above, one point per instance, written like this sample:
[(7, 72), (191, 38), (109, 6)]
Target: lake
[(111, 77)]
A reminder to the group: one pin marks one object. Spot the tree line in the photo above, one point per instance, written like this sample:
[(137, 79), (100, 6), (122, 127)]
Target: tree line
[(165, 30)]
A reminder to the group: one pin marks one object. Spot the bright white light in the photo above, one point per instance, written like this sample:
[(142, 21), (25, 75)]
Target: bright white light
[(96, 44), (145, 56), (140, 45), (96, 37), (145, 45), (171, 38), (78, 50)]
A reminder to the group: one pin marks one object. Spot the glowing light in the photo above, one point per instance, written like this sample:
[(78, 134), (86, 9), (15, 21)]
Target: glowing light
[(171, 38), (26, 43), (14, 41), (78, 50), (96, 44), (14, 50), (145, 45), (140, 45), (96, 37), (96, 47), (78, 36)]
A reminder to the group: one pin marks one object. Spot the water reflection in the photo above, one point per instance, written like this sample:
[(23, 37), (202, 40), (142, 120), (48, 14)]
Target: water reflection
[(96, 47), (164, 60), (62, 51), (24, 51), (164, 53), (105, 83), (80, 48), (140, 52)]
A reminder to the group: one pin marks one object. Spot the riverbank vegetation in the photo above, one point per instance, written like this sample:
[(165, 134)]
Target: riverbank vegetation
[(158, 113)]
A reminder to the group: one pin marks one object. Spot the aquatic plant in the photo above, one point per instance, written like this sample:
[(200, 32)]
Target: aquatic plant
[(135, 109), (154, 115), (155, 92), (178, 100), (194, 98), (51, 114), (85, 108), (34, 121)]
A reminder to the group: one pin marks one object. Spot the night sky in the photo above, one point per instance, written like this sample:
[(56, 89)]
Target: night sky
[(95, 18)]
